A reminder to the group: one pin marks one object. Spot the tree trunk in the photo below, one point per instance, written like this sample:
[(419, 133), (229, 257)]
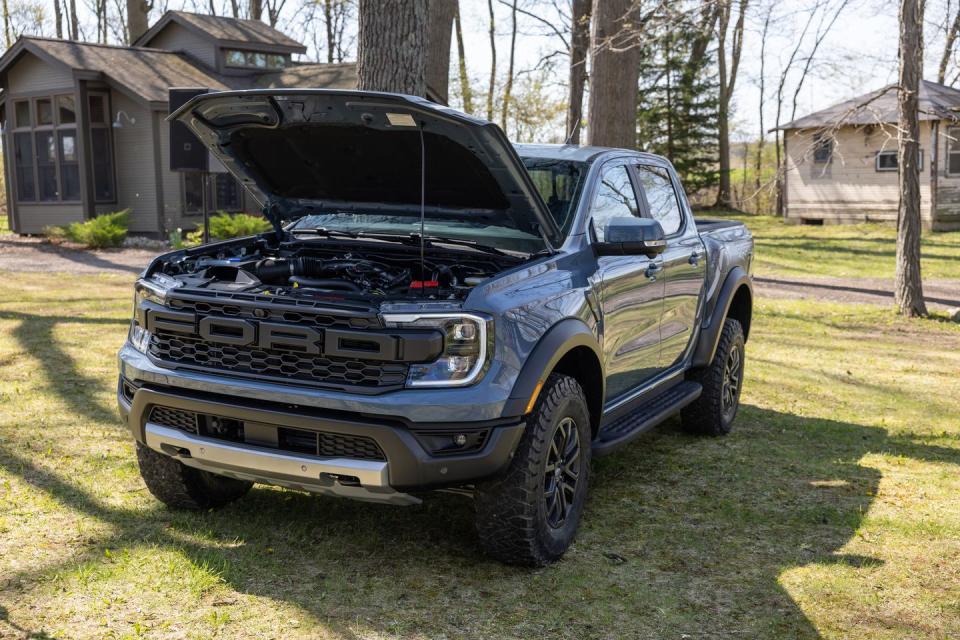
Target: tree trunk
[(727, 81), (6, 23), (579, 44), (58, 15), (137, 21), (256, 9), (908, 288), (763, 134), (466, 91), (493, 61), (74, 21), (328, 22), (391, 46), (508, 86), (440, 22), (612, 118), (948, 45)]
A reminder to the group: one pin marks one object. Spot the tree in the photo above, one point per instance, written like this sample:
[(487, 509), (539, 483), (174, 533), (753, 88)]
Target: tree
[(441, 13), (493, 61), (508, 87), (949, 42), (613, 96), (727, 68), (677, 103), (6, 23), (392, 46), (256, 9), (466, 91), (137, 19), (74, 22), (908, 287), (58, 15), (579, 45)]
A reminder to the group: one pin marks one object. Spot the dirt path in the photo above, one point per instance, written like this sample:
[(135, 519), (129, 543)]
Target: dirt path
[(940, 295), (34, 254)]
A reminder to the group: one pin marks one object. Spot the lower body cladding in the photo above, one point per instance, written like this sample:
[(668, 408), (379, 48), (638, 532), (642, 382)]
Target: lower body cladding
[(330, 453)]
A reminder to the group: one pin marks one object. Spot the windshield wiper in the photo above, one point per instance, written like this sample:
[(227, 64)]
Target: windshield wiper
[(330, 233)]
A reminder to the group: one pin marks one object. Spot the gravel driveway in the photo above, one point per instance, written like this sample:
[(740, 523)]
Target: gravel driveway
[(35, 254)]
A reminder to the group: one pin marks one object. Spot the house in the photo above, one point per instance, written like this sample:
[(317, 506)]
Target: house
[(841, 162), (83, 124)]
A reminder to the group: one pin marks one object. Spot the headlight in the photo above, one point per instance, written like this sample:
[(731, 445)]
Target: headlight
[(144, 291), (465, 348)]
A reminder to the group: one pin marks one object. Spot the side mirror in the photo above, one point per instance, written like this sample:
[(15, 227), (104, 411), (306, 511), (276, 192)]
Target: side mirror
[(632, 237)]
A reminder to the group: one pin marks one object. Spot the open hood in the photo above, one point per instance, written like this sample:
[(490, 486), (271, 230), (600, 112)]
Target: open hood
[(304, 151)]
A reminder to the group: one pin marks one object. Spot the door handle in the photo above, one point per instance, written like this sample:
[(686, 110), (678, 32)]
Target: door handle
[(694, 258), (652, 270)]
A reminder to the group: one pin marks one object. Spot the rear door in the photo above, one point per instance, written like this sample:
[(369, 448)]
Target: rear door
[(684, 262), (631, 291)]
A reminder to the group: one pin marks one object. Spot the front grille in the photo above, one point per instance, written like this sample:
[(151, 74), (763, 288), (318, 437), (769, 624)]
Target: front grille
[(176, 418), (283, 311), (193, 351), (321, 444)]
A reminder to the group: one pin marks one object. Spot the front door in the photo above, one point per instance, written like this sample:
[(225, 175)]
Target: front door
[(684, 263), (631, 292)]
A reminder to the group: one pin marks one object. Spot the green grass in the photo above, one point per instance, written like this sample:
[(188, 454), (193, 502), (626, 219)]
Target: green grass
[(831, 510), (863, 250)]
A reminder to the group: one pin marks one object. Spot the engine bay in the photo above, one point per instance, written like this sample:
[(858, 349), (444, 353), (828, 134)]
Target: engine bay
[(323, 267)]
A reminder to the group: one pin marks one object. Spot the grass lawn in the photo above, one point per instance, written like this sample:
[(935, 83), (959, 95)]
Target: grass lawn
[(848, 251), (831, 511)]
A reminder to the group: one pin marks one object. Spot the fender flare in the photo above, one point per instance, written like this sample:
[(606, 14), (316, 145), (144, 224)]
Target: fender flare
[(559, 340), (710, 329)]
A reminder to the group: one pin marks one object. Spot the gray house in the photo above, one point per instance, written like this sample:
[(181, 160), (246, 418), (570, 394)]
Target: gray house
[(83, 124)]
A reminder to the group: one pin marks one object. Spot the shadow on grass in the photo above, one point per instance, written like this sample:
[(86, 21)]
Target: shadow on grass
[(681, 536)]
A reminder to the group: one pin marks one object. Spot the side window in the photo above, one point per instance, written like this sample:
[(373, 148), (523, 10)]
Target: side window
[(615, 199), (658, 188)]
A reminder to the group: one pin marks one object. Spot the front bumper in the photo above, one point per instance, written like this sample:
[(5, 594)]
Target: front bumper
[(408, 466)]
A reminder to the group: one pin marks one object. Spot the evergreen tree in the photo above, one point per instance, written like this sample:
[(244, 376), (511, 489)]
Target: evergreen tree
[(677, 106)]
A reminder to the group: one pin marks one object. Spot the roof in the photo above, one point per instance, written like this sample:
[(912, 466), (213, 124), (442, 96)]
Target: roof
[(571, 152), (324, 76), (937, 102), (146, 73), (226, 30)]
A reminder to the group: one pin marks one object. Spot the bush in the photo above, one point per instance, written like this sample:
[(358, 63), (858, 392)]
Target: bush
[(107, 230), (224, 226)]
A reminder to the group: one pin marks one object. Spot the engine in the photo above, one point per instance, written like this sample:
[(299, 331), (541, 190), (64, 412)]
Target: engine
[(396, 272)]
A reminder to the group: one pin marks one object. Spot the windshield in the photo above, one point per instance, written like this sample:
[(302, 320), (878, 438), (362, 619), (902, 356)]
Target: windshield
[(559, 183)]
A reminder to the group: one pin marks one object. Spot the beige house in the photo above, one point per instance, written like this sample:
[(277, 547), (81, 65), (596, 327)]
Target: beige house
[(83, 127), (841, 162)]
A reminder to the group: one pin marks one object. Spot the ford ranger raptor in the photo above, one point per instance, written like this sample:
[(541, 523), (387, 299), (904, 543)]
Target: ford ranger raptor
[(434, 308)]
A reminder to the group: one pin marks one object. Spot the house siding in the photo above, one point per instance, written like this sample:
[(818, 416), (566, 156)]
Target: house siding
[(177, 38), (32, 75), (850, 189), (33, 217), (134, 158)]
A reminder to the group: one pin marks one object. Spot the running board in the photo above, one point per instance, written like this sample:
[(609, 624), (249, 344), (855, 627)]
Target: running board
[(648, 415)]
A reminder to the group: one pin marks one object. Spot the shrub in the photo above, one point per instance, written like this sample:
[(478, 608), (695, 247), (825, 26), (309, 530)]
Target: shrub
[(54, 233), (224, 226), (107, 230)]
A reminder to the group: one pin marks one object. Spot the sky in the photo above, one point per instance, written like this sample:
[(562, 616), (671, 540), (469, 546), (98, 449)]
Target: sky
[(858, 54)]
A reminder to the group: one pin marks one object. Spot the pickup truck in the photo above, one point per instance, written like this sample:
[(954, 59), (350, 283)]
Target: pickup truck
[(434, 309)]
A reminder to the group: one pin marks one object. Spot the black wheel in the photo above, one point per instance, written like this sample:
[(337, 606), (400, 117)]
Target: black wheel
[(181, 487), (713, 412), (529, 514)]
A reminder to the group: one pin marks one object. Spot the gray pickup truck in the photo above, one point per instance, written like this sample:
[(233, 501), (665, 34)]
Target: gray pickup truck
[(433, 309)]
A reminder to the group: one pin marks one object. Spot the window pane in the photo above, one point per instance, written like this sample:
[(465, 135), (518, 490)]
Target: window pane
[(23, 160), (67, 109), (887, 161), (47, 165), (822, 150), (102, 164), (258, 60), (193, 192), (98, 109), (227, 192), (615, 199), (44, 111), (276, 61), (69, 166), (22, 114), (661, 197), (235, 58)]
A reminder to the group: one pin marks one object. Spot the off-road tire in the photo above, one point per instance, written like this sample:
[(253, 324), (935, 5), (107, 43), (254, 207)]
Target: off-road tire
[(181, 487), (708, 415), (511, 508)]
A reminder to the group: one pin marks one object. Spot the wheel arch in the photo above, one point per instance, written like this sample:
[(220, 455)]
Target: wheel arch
[(735, 300), (570, 348)]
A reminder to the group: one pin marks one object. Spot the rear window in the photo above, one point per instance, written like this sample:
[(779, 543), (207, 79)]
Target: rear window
[(559, 183)]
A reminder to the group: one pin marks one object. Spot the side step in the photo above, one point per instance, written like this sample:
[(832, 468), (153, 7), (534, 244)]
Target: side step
[(648, 415)]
